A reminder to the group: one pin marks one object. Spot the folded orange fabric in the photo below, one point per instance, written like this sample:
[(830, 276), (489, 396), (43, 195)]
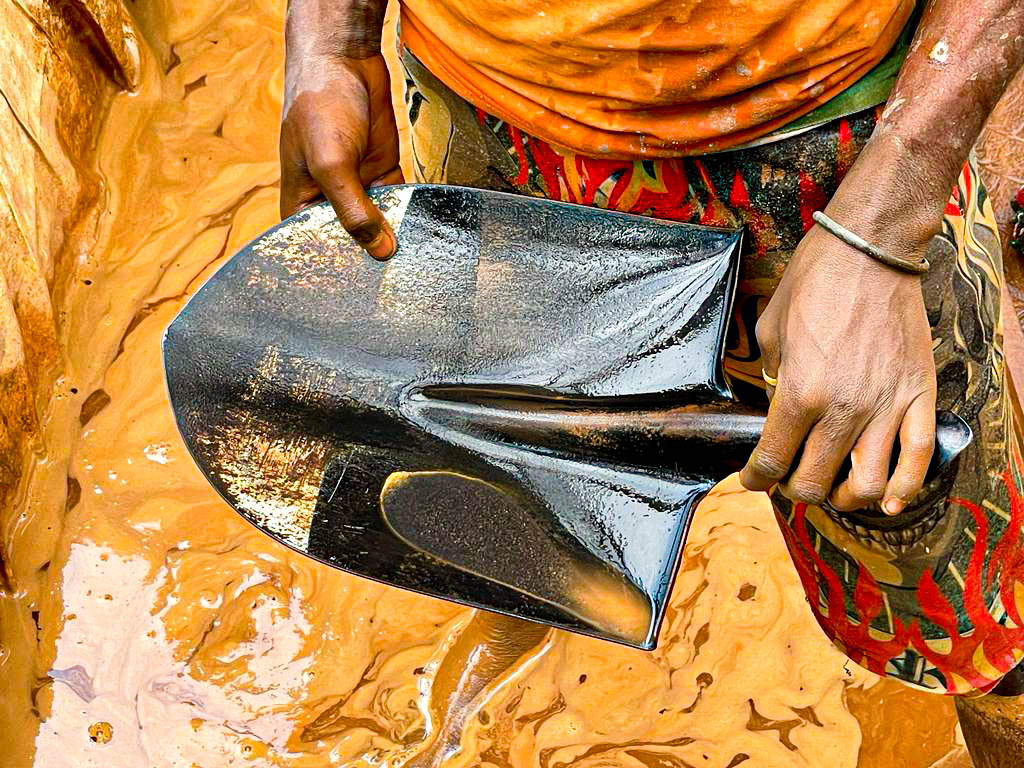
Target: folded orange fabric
[(656, 78)]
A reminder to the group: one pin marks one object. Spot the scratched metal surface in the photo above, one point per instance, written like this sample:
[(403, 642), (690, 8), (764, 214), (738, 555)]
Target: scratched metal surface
[(498, 415)]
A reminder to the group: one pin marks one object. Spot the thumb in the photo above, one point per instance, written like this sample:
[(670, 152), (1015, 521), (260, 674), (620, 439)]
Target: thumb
[(342, 186)]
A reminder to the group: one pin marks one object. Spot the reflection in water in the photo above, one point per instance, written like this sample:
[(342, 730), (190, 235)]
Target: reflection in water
[(174, 634)]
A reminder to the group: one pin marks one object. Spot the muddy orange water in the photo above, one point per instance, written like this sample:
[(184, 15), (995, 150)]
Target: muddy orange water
[(171, 633)]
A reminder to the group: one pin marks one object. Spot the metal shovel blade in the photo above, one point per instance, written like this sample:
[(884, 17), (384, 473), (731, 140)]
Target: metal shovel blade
[(519, 411)]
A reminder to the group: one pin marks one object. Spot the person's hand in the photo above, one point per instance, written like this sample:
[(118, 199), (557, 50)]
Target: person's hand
[(848, 340), (339, 137)]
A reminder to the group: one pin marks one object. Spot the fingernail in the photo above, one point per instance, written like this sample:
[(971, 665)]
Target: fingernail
[(382, 247), (893, 505)]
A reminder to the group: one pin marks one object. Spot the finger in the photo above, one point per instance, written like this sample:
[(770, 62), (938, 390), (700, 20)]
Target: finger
[(298, 190), (770, 361), (394, 176), (784, 430), (917, 442), (770, 383), (340, 182), (869, 469), (767, 343), (826, 448), (293, 201)]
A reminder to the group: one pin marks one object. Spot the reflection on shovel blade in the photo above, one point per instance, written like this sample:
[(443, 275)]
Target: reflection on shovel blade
[(484, 530), (519, 411)]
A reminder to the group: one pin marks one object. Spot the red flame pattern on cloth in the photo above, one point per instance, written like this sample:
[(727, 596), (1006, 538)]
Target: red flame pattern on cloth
[(976, 659)]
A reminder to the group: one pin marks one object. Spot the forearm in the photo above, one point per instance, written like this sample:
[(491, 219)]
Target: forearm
[(344, 28), (961, 60)]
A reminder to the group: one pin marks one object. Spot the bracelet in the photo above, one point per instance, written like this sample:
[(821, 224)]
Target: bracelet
[(911, 266)]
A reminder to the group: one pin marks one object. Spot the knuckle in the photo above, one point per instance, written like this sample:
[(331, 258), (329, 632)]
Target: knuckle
[(845, 405), (797, 410), (867, 488), (767, 465), (889, 389), (841, 415), (764, 332), (324, 165), (800, 397), (919, 444), (920, 379), (808, 491), (834, 427), (793, 402)]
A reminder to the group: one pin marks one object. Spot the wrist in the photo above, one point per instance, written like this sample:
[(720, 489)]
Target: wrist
[(893, 197), (342, 29), (311, 67), (837, 262), (832, 258), (913, 266)]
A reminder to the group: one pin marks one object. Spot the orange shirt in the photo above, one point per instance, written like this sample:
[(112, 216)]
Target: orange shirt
[(656, 78)]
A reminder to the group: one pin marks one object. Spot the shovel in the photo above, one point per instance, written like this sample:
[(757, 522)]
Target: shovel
[(520, 411)]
